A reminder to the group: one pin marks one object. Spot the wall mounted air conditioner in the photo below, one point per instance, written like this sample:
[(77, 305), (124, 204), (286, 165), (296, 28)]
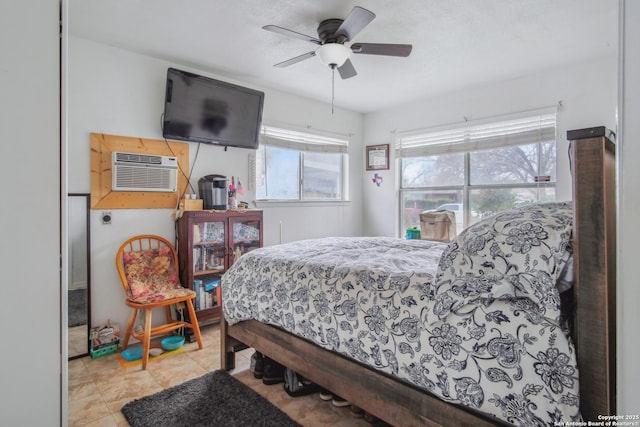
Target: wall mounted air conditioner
[(144, 172)]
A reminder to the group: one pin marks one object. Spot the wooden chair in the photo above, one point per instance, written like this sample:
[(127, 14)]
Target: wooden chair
[(148, 268)]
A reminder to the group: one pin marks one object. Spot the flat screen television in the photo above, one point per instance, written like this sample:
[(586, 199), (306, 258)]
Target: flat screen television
[(202, 109)]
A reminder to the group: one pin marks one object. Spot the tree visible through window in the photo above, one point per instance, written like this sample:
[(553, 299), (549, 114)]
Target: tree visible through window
[(478, 175)]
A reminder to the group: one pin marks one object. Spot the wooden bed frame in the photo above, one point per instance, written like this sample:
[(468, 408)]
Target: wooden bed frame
[(593, 302)]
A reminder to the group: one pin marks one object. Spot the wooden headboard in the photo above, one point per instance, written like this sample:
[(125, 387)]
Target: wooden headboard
[(594, 292)]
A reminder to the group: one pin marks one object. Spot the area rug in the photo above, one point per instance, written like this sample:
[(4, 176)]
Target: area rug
[(215, 399), (77, 308)]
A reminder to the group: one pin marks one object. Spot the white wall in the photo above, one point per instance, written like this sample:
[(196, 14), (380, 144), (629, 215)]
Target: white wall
[(118, 92), (629, 203), (587, 92), (30, 371)]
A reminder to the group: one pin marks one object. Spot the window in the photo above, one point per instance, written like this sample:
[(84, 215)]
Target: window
[(298, 166), (478, 169)]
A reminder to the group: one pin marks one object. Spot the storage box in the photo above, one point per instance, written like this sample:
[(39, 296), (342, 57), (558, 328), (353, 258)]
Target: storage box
[(104, 340), (439, 226), (192, 204), (110, 349)]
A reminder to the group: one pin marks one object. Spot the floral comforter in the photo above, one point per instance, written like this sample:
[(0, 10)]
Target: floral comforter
[(476, 322)]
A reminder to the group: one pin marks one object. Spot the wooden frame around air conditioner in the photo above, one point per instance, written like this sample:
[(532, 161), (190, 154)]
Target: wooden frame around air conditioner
[(102, 197)]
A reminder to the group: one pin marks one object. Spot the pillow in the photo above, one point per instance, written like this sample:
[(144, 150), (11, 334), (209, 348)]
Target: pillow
[(519, 253), (152, 276)]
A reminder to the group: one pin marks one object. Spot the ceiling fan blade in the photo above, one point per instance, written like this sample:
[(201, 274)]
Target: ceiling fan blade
[(291, 33), (382, 49), (346, 70), (357, 19), (295, 60)]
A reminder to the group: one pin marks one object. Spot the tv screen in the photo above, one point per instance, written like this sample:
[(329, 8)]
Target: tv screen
[(202, 109)]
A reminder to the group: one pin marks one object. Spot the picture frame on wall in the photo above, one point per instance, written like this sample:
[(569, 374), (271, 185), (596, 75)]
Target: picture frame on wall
[(377, 157)]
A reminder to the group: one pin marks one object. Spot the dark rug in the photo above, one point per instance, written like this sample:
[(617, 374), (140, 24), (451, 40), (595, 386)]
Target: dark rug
[(215, 399), (77, 307)]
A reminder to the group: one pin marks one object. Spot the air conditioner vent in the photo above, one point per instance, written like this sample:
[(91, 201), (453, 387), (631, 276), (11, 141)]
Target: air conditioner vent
[(138, 158), (143, 172)]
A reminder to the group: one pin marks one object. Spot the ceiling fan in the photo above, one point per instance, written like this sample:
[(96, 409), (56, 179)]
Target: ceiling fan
[(332, 36)]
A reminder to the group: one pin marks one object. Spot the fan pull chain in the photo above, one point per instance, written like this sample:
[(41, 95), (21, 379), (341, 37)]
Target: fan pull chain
[(333, 85)]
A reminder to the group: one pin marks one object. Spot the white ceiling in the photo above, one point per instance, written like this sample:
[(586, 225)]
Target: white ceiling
[(456, 43)]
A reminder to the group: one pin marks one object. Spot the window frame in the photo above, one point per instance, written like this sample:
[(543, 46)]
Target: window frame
[(303, 142), (455, 139)]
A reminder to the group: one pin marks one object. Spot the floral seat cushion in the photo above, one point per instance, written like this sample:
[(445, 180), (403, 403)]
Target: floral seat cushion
[(152, 276)]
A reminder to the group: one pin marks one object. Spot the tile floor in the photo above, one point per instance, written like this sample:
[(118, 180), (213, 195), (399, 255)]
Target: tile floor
[(99, 388)]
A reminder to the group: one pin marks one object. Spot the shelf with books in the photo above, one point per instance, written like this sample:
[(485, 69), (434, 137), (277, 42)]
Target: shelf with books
[(208, 293), (208, 244)]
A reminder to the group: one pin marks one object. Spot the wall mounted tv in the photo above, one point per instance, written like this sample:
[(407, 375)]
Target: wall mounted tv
[(202, 109)]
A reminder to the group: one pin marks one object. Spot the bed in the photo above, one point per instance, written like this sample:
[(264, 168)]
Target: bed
[(483, 331)]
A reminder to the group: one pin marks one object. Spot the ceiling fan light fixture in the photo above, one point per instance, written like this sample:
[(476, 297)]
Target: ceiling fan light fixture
[(333, 54)]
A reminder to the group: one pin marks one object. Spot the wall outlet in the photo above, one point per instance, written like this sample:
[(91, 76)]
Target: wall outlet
[(106, 218)]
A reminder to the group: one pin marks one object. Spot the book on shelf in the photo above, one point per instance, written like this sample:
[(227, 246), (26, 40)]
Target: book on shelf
[(203, 297), (196, 234), (209, 300), (197, 286), (197, 259)]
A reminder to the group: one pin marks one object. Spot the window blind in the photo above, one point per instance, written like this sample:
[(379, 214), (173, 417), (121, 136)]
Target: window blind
[(303, 141), (473, 136)]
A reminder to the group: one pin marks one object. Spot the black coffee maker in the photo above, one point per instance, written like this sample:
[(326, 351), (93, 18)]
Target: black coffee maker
[(214, 192)]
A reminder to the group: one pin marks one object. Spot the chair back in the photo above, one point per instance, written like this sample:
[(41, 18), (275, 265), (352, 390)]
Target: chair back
[(141, 253)]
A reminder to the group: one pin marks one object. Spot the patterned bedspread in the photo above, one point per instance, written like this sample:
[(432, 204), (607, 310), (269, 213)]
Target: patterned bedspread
[(476, 322)]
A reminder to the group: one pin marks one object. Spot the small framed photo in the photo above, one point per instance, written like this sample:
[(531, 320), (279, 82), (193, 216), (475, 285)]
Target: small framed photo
[(377, 157)]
